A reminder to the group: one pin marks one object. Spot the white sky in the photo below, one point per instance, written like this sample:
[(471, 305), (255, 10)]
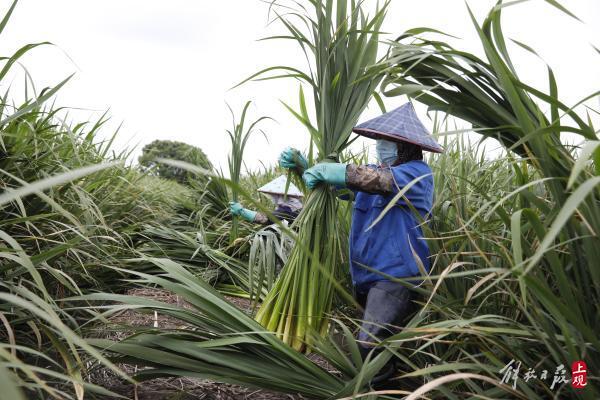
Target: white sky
[(163, 68)]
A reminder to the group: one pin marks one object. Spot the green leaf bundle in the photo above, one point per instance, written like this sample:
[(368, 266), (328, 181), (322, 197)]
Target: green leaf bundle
[(340, 44)]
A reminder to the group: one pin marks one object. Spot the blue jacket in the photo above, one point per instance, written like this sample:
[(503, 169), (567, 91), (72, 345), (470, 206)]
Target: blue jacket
[(385, 247)]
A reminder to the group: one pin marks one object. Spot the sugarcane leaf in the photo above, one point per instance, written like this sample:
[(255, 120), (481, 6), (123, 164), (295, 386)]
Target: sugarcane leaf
[(295, 73), (379, 101), (526, 47), (505, 78), (420, 30), (503, 4), (7, 16), (494, 20), (559, 6), (567, 210), (312, 130), (8, 384), (47, 183), (553, 93), (588, 151), (19, 53), (35, 104)]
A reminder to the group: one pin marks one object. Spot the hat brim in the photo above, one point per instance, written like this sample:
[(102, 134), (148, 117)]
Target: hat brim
[(373, 134), (281, 194)]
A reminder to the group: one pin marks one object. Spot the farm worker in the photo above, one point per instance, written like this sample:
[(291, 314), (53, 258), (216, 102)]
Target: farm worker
[(383, 250), (287, 206)]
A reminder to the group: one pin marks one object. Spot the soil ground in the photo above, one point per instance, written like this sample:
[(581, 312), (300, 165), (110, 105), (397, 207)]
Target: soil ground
[(176, 388)]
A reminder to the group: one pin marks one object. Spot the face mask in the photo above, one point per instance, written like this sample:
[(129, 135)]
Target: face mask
[(387, 152)]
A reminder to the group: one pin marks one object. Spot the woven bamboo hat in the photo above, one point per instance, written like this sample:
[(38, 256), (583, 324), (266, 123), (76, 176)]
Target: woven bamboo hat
[(400, 125), (277, 187)]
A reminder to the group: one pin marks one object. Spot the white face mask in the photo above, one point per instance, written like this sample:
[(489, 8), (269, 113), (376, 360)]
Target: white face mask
[(387, 152)]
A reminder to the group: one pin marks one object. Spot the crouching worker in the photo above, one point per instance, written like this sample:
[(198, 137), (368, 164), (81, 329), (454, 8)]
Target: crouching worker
[(383, 250), (287, 207)]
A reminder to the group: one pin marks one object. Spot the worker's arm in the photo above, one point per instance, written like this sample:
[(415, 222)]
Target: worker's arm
[(260, 218), (280, 213), (363, 178), (236, 209), (355, 177)]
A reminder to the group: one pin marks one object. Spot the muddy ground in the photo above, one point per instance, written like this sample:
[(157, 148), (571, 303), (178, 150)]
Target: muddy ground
[(176, 388)]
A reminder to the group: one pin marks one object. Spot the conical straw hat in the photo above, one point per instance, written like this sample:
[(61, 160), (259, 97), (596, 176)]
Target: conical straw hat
[(277, 187), (399, 125)]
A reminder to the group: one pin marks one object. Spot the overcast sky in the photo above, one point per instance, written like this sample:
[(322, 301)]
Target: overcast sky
[(163, 68)]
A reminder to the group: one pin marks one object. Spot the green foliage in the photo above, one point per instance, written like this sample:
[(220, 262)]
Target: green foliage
[(340, 43), (187, 239), (225, 344), (169, 149), (69, 210), (269, 250), (238, 137), (514, 238), (99, 216)]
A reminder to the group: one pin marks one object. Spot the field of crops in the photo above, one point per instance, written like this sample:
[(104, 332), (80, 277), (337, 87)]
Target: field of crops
[(132, 280)]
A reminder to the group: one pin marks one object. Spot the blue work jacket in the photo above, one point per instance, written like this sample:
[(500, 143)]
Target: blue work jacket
[(386, 247)]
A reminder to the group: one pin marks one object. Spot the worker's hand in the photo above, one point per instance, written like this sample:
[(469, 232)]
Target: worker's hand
[(236, 209), (330, 173), (291, 158)]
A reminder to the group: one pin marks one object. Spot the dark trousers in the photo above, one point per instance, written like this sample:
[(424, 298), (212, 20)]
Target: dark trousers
[(387, 306)]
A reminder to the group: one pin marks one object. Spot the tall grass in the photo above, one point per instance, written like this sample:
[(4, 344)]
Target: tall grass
[(239, 136), (513, 238), (41, 348), (514, 270), (69, 209)]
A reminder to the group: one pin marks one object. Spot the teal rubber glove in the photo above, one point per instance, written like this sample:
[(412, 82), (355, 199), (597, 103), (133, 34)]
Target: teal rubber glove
[(330, 173), (239, 211), (291, 158)]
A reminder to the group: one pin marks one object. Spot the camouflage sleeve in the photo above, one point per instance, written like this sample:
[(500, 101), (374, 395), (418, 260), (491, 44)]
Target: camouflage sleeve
[(262, 219), (368, 179)]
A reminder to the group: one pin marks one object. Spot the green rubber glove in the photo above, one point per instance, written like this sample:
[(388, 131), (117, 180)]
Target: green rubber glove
[(239, 211), (330, 173), (291, 158)]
